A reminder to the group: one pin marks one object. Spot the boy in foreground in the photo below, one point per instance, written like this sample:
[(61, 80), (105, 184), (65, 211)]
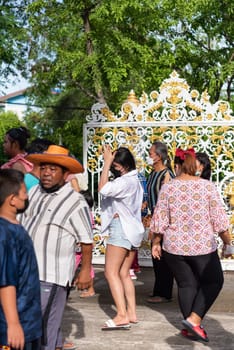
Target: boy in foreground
[(20, 310)]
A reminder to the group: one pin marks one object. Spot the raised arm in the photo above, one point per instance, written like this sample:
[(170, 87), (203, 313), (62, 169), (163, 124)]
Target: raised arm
[(108, 160)]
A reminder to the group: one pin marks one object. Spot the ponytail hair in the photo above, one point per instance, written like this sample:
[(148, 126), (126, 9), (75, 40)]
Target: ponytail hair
[(187, 160), (189, 165)]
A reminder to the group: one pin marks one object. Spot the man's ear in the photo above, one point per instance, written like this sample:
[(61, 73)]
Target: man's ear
[(11, 200), (65, 175)]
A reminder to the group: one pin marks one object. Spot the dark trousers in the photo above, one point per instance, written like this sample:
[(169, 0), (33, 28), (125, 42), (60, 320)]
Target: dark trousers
[(199, 279), (163, 284), (33, 345), (53, 301)]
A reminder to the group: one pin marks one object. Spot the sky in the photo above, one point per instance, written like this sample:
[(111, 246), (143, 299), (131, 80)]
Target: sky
[(15, 85)]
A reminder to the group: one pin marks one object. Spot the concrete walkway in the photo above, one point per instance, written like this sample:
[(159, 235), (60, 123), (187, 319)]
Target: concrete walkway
[(159, 326)]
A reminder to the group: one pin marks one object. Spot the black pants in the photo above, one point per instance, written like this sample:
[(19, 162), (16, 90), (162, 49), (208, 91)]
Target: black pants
[(163, 284), (199, 279), (33, 345)]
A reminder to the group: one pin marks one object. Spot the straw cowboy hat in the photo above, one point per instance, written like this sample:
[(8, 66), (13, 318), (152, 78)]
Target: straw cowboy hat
[(57, 155)]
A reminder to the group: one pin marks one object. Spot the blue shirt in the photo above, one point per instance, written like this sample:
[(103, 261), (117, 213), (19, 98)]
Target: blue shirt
[(18, 267), (154, 184), (30, 181), (143, 183)]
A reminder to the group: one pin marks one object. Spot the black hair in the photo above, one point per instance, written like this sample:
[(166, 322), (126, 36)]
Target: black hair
[(162, 150), (38, 145), (88, 197), (203, 158), (10, 182), (20, 135), (178, 160), (125, 158)]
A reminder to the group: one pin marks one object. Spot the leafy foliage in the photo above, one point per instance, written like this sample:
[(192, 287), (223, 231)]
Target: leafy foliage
[(98, 50), (13, 38), (103, 49)]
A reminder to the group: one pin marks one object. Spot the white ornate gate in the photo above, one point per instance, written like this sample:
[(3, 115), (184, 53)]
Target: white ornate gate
[(176, 115)]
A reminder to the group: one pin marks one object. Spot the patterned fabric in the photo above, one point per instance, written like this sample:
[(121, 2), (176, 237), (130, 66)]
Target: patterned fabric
[(19, 158), (18, 267), (56, 222), (154, 184), (188, 213)]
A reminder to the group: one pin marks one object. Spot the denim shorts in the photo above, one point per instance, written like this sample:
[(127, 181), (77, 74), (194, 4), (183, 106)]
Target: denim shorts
[(117, 236)]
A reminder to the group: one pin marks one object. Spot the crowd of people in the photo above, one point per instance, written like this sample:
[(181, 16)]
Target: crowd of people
[(46, 232)]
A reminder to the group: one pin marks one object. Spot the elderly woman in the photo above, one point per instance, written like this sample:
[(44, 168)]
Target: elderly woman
[(188, 213), (161, 173)]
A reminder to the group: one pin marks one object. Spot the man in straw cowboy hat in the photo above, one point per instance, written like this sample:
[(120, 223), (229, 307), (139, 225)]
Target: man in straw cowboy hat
[(57, 218)]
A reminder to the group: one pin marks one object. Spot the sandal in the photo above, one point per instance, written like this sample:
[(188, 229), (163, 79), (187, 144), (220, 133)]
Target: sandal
[(69, 345), (185, 333), (198, 331), (87, 294), (158, 300)]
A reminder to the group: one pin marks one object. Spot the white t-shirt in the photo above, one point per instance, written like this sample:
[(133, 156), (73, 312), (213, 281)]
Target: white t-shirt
[(124, 196)]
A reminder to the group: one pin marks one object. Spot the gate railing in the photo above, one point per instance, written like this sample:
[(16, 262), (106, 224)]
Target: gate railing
[(176, 115)]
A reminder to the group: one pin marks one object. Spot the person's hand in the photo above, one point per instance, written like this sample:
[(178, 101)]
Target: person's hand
[(146, 220), (108, 155), (83, 280), (156, 250), (15, 336), (227, 251)]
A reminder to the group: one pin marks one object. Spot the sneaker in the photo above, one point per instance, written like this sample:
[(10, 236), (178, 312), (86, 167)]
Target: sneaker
[(132, 274)]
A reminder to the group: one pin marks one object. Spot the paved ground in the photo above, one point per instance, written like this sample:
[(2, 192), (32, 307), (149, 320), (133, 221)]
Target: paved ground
[(159, 326)]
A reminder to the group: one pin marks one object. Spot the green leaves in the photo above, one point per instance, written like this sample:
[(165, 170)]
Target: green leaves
[(98, 50)]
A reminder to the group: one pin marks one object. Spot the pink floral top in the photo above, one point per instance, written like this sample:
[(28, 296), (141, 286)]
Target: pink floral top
[(188, 213), (19, 158)]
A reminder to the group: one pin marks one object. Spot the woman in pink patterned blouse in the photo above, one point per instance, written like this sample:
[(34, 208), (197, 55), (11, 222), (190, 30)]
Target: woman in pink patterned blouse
[(188, 213)]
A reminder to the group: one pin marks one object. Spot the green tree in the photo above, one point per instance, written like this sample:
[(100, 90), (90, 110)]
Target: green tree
[(98, 50), (103, 49), (13, 38)]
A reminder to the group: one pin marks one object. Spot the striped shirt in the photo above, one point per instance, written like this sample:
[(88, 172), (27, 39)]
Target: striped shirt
[(154, 184), (56, 222)]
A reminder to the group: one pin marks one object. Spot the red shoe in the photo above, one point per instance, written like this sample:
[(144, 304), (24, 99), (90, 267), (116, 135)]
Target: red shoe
[(196, 330), (185, 333)]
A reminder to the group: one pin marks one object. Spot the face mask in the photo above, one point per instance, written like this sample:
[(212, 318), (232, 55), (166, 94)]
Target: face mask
[(22, 210), (198, 173), (116, 173), (149, 161), (51, 189)]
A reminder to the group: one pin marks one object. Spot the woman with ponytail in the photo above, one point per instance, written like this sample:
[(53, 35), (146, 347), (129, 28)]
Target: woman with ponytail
[(188, 213), (14, 145)]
